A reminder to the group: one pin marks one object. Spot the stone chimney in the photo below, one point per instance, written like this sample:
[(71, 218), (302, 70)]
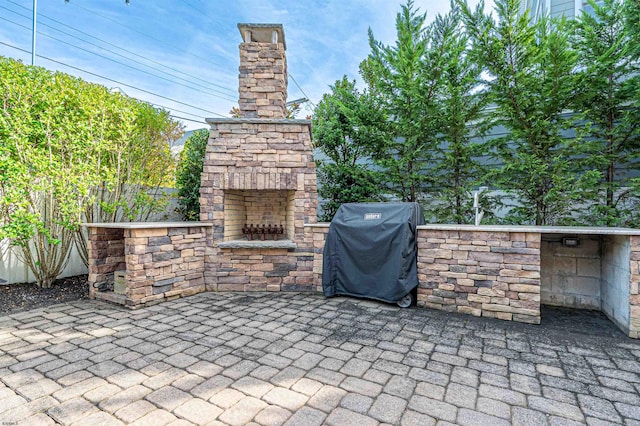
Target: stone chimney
[(263, 71)]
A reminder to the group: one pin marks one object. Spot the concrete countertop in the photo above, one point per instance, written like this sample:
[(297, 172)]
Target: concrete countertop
[(581, 230), (146, 225), (591, 230)]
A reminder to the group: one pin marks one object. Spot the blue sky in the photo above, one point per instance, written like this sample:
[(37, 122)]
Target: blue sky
[(183, 54)]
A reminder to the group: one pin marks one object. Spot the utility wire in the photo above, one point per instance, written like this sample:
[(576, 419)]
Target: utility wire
[(188, 119), (177, 110), (233, 91), (300, 88), (219, 95), (201, 11), (145, 35), (114, 81)]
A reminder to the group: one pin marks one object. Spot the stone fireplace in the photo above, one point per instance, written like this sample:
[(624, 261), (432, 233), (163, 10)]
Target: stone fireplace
[(259, 172)]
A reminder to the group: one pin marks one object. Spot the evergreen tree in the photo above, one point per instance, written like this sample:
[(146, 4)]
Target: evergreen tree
[(610, 105), (455, 162), (406, 78), (343, 130), (189, 174), (532, 82)]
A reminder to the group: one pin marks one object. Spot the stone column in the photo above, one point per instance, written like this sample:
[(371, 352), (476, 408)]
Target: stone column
[(263, 71)]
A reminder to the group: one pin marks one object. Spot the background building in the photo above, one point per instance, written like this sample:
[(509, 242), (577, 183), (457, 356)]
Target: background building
[(556, 8)]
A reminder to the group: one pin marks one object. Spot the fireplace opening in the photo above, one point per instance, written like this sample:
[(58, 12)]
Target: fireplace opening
[(250, 214)]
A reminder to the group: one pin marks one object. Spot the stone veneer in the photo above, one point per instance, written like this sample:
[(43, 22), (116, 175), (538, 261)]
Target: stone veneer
[(263, 71), (259, 170), (634, 284), (160, 263), (319, 233), (259, 157), (490, 274), (494, 271)]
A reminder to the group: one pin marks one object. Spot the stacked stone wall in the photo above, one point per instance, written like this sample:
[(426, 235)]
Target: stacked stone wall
[(266, 269), (106, 255), (319, 235), (490, 274), (159, 263), (259, 159), (634, 267), (163, 263), (263, 80)]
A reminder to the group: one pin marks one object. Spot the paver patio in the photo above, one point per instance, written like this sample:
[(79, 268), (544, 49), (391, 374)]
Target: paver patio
[(301, 359)]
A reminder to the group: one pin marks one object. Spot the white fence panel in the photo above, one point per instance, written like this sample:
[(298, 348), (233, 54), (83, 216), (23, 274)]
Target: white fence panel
[(13, 270)]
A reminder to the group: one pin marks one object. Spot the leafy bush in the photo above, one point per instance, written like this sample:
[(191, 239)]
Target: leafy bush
[(72, 152), (189, 173)]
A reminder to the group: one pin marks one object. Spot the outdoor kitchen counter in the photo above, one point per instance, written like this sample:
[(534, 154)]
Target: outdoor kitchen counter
[(158, 260), (574, 230), (508, 271)]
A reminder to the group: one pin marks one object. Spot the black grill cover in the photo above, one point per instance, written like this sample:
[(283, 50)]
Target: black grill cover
[(371, 251)]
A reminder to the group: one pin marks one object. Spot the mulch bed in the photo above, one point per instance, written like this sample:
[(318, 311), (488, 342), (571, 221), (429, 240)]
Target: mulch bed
[(21, 297)]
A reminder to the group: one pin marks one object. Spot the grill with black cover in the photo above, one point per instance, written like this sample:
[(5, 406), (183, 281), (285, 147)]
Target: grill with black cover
[(371, 251)]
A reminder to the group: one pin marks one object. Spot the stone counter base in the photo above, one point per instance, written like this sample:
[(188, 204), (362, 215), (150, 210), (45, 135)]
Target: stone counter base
[(159, 263), (489, 274)]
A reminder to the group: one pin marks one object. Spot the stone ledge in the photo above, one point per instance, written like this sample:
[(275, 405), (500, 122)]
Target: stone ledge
[(317, 225), (146, 225), (225, 120), (569, 230), (258, 244)]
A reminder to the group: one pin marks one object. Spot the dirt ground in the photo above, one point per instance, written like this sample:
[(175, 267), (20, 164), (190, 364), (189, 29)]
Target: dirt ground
[(20, 297)]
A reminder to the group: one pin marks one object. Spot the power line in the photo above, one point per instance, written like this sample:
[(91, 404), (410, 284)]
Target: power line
[(118, 62), (300, 88), (233, 91), (146, 35), (188, 119), (177, 110), (200, 11), (155, 104), (114, 81)]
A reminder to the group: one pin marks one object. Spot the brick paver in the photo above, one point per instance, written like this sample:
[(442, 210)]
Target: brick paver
[(301, 359)]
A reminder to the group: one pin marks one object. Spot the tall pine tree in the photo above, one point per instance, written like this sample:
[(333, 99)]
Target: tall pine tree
[(461, 104), (610, 105), (531, 79), (406, 78), (345, 127)]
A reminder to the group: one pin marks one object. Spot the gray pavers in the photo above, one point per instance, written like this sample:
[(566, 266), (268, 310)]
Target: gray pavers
[(300, 359)]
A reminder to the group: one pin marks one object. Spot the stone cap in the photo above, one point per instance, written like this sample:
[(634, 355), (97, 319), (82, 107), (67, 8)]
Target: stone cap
[(229, 120), (258, 244), (577, 230), (262, 33), (145, 225)]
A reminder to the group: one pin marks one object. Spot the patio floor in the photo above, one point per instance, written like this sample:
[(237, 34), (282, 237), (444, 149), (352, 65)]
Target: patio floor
[(301, 359)]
